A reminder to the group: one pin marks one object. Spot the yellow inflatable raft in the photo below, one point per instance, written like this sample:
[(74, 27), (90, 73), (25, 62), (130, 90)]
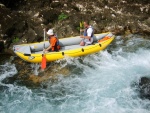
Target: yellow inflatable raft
[(69, 47)]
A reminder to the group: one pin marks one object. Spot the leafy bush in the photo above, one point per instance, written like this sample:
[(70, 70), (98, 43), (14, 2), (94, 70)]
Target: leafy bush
[(15, 39), (78, 28), (62, 16)]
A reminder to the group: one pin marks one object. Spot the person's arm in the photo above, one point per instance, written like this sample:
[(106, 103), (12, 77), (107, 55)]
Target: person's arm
[(48, 48), (88, 37)]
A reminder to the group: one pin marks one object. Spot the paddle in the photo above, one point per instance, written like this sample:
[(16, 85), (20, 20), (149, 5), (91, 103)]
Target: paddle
[(81, 27), (43, 63)]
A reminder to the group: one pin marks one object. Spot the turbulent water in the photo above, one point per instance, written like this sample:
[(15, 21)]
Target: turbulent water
[(99, 83)]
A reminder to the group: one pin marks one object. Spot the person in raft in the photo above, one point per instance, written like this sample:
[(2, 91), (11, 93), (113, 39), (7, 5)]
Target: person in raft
[(54, 42), (87, 35)]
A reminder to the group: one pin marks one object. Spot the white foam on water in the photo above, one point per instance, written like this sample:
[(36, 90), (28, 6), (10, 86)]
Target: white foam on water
[(35, 67), (7, 70), (102, 86)]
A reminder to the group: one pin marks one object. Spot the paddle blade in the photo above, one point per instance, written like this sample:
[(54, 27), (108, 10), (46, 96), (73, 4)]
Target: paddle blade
[(81, 25), (43, 63)]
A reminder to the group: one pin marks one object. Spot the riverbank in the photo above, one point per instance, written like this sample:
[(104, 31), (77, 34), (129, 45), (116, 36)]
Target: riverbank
[(28, 18)]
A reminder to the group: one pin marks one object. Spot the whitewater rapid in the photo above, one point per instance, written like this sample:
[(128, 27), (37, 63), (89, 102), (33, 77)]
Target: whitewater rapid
[(99, 83)]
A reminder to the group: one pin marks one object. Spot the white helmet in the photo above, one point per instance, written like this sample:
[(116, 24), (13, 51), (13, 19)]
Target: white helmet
[(50, 32)]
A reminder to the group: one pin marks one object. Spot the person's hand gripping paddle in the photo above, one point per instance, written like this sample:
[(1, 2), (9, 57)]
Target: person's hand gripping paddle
[(81, 28), (43, 63)]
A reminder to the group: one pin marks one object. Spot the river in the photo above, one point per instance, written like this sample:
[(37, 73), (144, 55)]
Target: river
[(99, 83)]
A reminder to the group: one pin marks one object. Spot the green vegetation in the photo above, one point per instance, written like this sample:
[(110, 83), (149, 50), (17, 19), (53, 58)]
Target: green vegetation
[(15, 39), (78, 28), (81, 27), (62, 16)]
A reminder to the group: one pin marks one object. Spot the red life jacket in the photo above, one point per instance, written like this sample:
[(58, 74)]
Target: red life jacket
[(54, 43)]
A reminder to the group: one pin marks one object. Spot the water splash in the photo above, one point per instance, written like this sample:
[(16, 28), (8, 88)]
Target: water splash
[(99, 83), (7, 70), (35, 67)]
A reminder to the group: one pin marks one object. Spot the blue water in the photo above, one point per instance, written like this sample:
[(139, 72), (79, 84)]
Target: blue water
[(99, 83)]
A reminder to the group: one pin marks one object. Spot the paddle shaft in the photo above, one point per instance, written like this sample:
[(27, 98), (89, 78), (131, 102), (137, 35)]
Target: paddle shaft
[(44, 41), (43, 63)]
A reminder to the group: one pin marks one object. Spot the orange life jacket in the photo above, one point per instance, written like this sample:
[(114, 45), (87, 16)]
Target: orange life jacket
[(54, 43), (103, 39)]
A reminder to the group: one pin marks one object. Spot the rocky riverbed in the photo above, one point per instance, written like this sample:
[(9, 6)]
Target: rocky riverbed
[(22, 21)]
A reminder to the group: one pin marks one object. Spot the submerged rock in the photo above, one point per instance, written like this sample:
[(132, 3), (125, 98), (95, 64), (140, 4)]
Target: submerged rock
[(144, 87), (31, 74)]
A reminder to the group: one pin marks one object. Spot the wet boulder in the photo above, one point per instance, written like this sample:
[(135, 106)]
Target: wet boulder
[(144, 87), (1, 46)]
